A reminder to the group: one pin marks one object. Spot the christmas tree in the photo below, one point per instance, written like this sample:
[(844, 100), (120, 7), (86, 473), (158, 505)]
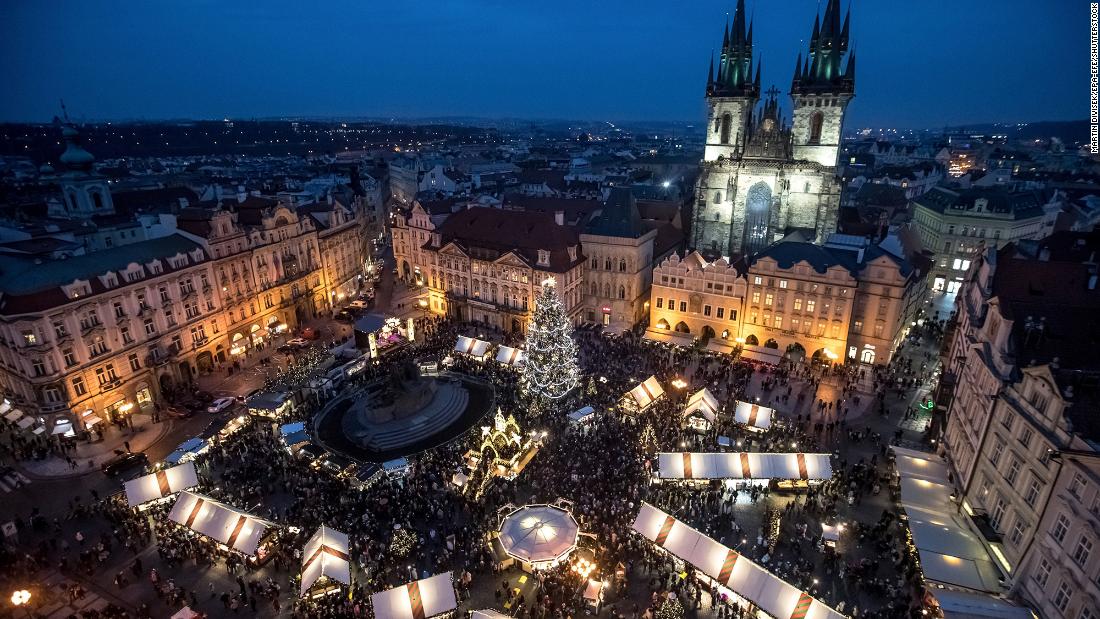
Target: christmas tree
[(551, 369)]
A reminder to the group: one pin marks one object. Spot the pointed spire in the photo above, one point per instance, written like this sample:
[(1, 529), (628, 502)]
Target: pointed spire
[(757, 80), (726, 34), (739, 24), (844, 29), (750, 35), (817, 30), (850, 71), (710, 71), (797, 68)]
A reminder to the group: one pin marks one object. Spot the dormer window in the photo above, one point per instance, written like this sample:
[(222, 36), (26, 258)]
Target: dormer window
[(155, 267), (572, 253), (544, 257)]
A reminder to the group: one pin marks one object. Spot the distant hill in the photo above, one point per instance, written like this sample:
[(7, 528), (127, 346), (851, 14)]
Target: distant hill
[(1069, 131)]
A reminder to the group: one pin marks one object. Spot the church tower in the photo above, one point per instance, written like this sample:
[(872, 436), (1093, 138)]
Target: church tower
[(732, 92), (822, 87), (84, 192)]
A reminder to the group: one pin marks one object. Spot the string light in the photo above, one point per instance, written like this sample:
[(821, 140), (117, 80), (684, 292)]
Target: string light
[(402, 543), (551, 370)]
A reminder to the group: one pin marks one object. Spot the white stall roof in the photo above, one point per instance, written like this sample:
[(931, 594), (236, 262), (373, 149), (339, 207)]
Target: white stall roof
[(202, 514), (647, 392), (292, 428), (325, 554), (950, 552), (471, 346), (582, 414), (703, 402), (13, 415), (488, 613), (417, 600), (683, 465), (753, 415), (669, 337), (539, 533), (160, 484), (830, 532), (730, 569), (762, 354), (510, 356)]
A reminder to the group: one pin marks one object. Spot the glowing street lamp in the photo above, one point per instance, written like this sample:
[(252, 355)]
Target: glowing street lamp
[(126, 408), (21, 597)]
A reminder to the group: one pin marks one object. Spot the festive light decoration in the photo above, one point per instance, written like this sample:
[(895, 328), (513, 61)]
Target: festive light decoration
[(583, 567), (671, 608), (551, 370), (402, 543), (648, 439), (773, 520)]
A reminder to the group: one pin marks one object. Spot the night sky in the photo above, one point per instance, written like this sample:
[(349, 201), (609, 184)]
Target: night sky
[(921, 63)]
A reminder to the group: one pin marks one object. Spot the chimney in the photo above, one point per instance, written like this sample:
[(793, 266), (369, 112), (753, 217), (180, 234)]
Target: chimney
[(559, 218)]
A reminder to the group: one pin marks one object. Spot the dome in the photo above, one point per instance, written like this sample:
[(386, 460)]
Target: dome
[(75, 157)]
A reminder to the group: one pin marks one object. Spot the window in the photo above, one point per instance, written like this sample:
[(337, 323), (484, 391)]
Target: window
[(69, 356), (768, 299), (995, 453), (857, 326), (119, 311), (778, 321), (622, 265), (1031, 495), (1042, 573), (1077, 485), (78, 386), (757, 280), (1006, 419), (797, 304), (756, 297), (124, 330), (997, 517), (706, 310), (683, 306), (39, 367), (1025, 437), (29, 338), (1018, 531), (721, 312), (150, 328), (810, 305), (783, 283), (59, 329), (1082, 551), (817, 119), (135, 364), (660, 302), (1061, 525), (1063, 596), (1013, 471)]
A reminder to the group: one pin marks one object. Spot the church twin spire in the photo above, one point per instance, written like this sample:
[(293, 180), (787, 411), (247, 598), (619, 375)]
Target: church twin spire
[(821, 70), (734, 77)]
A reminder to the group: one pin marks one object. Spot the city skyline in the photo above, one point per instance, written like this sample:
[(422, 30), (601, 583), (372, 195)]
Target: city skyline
[(496, 60)]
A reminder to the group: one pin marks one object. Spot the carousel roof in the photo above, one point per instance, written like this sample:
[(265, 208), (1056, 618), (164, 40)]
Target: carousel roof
[(539, 533)]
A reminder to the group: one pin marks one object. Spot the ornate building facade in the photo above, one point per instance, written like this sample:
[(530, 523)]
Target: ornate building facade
[(761, 176)]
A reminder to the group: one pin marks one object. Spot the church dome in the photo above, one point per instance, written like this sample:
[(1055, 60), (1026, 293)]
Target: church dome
[(75, 157)]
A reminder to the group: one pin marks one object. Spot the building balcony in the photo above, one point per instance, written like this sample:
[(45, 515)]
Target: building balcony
[(90, 327), (199, 343)]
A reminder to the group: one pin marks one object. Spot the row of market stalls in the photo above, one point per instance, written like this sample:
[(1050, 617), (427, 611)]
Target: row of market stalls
[(702, 407), (751, 467), (960, 568), (734, 575), (28, 423), (479, 350)]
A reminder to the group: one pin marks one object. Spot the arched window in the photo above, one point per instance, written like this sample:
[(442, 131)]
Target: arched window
[(816, 119), (726, 122), (97, 200), (622, 265), (718, 197), (622, 292), (607, 290), (595, 289), (595, 262), (607, 264), (717, 123)]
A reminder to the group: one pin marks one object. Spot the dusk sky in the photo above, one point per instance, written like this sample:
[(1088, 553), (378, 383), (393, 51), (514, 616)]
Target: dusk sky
[(921, 63)]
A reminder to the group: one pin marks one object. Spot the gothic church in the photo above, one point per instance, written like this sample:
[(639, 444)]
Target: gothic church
[(763, 177)]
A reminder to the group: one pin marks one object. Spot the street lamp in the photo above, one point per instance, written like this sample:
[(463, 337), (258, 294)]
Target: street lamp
[(21, 597), (126, 408)]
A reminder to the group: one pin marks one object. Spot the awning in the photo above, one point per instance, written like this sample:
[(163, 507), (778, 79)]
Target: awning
[(14, 415), (761, 354), (488, 613), (729, 568), (471, 346), (91, 419), (236, 529), (582, 415), (753, 415), (648, 392), (592, 590), (704, 403), (962, 605), (669, 337), (62, 426), (510, 356), (830, 532), (191, 447), (719, 345), (326, 555), (950, 552), (259, 333), (25, 423), (292, 428), (160, 484), (419, 599), (787, 466)]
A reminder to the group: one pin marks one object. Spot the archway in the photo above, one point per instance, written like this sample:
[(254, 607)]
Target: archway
[(708, 333), (681, 327), (515, 325), (663, 324), (796, 352), (752, 340), (205, 361), (405, 270), (819, 356), (867, 356), (771, 343)]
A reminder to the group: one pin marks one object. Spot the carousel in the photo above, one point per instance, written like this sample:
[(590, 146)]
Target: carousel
[(539, 537)]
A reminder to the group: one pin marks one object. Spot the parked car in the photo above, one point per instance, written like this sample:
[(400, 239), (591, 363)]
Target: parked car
[(123, 462), (344, 316), (179, 412), (203, 396), (220, 405), (358, 304), (245, 397)]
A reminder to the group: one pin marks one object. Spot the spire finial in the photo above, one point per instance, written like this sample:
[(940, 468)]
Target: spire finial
[(64, 111)]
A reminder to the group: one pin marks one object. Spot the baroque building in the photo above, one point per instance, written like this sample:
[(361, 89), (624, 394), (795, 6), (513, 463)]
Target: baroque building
[(762, 177)]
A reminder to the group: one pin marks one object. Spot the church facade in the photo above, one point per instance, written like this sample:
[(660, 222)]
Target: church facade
[(762, 175)]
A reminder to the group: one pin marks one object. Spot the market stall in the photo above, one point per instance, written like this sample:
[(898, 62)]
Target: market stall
[(419, 599), (644, 395), (273, 404), (187, 451), (488, 613), (538, 536), (472, 346), (507, 355), (701, 411), (160, 484), (745, 466), (830, 534), (325, 559), (757, 418), (233, 529), (582, 416), (733, 574)]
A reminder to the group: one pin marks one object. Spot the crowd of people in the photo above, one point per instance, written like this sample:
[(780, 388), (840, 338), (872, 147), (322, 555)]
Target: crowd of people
[(419, 524)]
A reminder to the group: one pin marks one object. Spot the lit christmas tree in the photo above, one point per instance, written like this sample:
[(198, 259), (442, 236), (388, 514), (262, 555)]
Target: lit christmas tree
[(551, 369)]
